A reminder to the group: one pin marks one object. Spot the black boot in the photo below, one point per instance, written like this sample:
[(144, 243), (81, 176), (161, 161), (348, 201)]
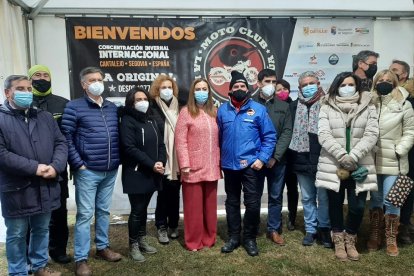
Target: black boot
[(230, 245), (325, 237)]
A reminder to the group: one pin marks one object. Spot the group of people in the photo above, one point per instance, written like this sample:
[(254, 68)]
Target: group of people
[(354, 139)]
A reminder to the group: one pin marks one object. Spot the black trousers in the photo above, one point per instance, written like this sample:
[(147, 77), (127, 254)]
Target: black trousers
[(58, 227), (356, 207), (137, 221), (167, 212), (251, 182), (291, 182)]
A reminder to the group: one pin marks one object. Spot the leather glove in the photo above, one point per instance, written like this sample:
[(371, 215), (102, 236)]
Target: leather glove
[(348, 163)]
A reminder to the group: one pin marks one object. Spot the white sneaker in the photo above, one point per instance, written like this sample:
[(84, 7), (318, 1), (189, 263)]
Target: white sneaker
[(163, 236)]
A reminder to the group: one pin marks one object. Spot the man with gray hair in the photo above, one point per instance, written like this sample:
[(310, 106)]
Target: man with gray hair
[(364, 65), (33, 152), (402, 70), (90, 125), (305, 150)]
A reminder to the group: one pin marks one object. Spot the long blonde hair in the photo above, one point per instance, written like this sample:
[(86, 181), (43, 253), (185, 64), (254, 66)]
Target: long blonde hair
[(192, 106), (395, 94)]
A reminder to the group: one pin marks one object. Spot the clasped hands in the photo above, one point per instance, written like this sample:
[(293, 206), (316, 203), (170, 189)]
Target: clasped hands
[(348, 163), (46, 171)]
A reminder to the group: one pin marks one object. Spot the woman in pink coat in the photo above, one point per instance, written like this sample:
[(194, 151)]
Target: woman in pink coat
[(197, 147)]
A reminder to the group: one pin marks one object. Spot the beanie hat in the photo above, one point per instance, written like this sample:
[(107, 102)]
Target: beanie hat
[(34, 70), (236, 77)]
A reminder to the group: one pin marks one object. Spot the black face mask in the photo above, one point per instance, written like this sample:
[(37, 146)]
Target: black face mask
[(41, 85), (384, 88), (371, 71), (239, 95)]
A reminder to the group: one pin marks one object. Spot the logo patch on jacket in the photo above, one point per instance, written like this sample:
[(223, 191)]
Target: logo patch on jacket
[(243, 163), (251, 112)]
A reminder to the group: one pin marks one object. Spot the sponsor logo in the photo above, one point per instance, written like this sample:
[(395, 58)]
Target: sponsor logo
[(291, 75), (250, 112), (321, 74), (362, 30), (333, 59), (342, 44), (230, 49), (360, 44), (306, 45), (327, 44), (313, 59), (309, 31)]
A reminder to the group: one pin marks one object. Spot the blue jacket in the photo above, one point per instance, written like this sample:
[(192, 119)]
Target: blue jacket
[(25, 142), (92, 134), (245, 136)]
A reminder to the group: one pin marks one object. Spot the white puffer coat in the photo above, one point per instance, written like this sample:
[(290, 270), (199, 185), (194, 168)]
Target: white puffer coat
[(332, 137), (396, 123)]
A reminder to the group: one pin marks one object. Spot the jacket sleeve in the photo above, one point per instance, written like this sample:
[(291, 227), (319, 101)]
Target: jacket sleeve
[(267, 136), (14, 163), (285, 135), (60, 152), (369, 138), (130, 145), (325, 137), (181, 139), (407, 138), (69, 129)]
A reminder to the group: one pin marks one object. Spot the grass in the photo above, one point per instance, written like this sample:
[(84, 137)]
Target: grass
[(292, 259)]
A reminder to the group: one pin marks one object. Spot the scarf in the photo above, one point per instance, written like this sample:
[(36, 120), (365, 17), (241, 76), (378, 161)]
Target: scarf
[(306, 121), (171, 116), (348, 106)]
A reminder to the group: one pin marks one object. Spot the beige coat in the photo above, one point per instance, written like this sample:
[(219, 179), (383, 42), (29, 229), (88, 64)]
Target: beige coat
[(332, 137), (396, 123)]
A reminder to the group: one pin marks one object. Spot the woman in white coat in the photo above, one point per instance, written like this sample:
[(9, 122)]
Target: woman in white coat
[(396, 123), (347, 132)]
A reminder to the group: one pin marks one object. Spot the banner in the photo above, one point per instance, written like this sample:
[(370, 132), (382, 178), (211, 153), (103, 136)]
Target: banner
[(134, 51), (326, 46)]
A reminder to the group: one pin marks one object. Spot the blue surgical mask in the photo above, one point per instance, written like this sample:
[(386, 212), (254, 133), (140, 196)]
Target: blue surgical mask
[(23, 99), (201, 97), (309, 90)]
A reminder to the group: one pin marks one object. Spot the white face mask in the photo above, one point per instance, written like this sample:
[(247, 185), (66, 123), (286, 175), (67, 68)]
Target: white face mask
[(346, 91), (268, 90), (166, 94), (96, 88), (142, 106)]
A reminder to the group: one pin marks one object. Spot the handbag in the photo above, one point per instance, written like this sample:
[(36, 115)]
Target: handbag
[(400, 189)]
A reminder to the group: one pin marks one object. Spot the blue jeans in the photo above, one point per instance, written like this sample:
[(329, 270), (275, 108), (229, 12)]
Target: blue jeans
[(275, 183), (377, 200), (315, 214), (93, 194), (16, 243)]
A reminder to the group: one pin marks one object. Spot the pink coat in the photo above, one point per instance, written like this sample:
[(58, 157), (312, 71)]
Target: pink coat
[(197, 146)]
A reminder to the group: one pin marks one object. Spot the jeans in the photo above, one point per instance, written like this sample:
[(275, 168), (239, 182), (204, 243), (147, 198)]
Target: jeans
[(93, 194), (16, 242), (356, 207), (275, 181), (385, 183), (252, 182), (167, 212), (137, 221), (315, 214)]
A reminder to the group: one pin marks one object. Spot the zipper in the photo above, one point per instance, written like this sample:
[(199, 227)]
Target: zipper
[(156, 135), (143, 136), (109, 137), (210, 138)]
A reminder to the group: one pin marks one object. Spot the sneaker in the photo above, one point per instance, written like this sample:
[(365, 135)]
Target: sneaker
[(135, 253), (45, 271), (309, 239), (82, 268), (163, 236), (174, 233), (145, 247)]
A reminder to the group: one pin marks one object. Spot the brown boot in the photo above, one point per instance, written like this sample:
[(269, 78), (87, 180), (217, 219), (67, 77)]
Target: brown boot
[(351, 251), (376, 218), (391, 232), (45, 271), (338, 239), (82, 268), (108, 255)]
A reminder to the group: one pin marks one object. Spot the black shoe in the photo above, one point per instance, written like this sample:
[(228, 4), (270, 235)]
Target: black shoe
[(291, 226), (325, 237), (251, 247), (61, 259), (230, 245)]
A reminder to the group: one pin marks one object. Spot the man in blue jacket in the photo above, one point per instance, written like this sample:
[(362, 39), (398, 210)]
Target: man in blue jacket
[(247, 141), (33, 152), (90, 125)]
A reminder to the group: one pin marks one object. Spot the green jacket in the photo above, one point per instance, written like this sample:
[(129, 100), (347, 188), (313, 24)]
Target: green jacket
[(279, 113)]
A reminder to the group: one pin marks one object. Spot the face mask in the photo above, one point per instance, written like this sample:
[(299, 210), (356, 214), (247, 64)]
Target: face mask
[(23, 99), (384, 88), (371, 71), (96, 88), (346, 91), (166, 94), (283, 95), (309, 90), (201, 97), (268, 90), (142, 106), (41, 85), (239, 95)]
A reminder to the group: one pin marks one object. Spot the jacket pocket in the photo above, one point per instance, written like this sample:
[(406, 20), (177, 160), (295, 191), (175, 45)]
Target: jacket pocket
[(196, 161)]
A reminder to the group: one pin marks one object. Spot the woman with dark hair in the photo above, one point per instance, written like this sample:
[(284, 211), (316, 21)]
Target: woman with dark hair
[(291, 181), (197, 145), (143, 159), (347, 131)]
